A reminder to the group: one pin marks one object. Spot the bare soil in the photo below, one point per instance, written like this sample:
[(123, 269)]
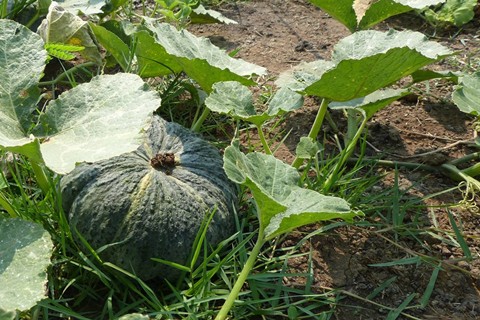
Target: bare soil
[(425, 128)]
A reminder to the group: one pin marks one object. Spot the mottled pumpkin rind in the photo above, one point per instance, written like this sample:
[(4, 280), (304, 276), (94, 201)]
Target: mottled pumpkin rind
[(141, 212)]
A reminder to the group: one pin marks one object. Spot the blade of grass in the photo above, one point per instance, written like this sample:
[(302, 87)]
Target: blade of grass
[(461, 240), (394, 314), (430, 286)]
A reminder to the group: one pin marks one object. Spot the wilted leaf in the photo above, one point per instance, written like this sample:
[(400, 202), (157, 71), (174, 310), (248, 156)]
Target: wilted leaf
[(282, 205), (96, 120), (62, 26), (25, 250)]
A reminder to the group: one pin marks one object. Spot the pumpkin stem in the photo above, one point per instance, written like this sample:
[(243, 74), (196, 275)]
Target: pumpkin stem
[(164, 161)]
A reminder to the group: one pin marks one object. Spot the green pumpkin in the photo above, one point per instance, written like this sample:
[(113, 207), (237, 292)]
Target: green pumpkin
[(151, 202)]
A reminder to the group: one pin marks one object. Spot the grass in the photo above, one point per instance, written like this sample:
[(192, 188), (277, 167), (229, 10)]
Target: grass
[(81, 286)]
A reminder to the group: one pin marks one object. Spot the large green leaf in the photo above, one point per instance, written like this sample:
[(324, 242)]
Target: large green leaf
[(152, 58), (341, 10), (467, 94), (22, 60), (383, 9), (367, 61), (96, 120), (199, 58), (25, 250), (281, 204), (61, 26), (362, 14), (113, 44)]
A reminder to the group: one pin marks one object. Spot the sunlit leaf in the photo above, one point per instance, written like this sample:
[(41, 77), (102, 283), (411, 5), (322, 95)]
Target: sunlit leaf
[(467, 94), (62, 26), (25, 250), (96, 120), (281, 204)]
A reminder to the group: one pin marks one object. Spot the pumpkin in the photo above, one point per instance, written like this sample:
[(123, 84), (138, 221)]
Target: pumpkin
[(151, 202)]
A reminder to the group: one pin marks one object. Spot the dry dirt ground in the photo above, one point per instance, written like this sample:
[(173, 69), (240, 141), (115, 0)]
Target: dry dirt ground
[(278, 35)]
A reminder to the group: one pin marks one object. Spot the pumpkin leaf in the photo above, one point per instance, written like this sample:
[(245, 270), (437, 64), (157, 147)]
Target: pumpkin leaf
[(96, 120), (202, 15), (467, 94), (199, 58), (284, 100), (307, 148), (62, 26), (367, 61), (362, 14), (236, 100), (281, 204), (19, 75), (113, 44), (87, 7), (373, 102), (25, 250)]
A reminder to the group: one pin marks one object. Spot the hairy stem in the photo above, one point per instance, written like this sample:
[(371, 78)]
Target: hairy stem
[(198, 124), (263, 140), (315, 129), (346, 154), (242, 277)]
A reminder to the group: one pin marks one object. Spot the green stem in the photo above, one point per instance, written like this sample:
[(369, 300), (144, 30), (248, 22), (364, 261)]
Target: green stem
[(198, 124), (466, 158), (346, 154), (66, 73), (473, 170), (315, 129), (263, 140), (242, 277)]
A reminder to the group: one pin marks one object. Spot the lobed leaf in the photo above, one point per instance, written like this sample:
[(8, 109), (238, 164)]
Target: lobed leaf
[(373, 102), (25, 250), (96, 120), (365, 62), (199, 58), (467, 94), (20, 72), (362, 14), (281, 204)]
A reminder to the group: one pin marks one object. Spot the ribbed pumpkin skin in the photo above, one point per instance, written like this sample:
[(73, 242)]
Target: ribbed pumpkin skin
[(148, 212)]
